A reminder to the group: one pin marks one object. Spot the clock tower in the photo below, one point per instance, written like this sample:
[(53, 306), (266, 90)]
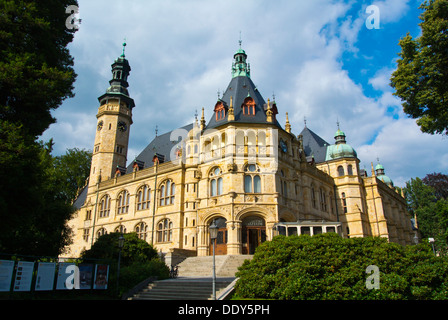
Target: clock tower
[(114, 120)]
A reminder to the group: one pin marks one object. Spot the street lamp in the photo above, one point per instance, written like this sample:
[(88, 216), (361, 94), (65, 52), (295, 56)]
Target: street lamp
[(431, 241), (213, 229), (120, 246)]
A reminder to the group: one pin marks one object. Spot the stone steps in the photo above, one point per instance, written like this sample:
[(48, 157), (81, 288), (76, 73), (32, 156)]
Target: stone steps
[(195, 279), (226, 266), (182, 289)]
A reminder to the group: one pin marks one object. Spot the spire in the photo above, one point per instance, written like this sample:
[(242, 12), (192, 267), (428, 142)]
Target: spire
[(124, 47), (202, 120), (269, 112), (287, 125), (119, 82), (240, 67), (231, 116)]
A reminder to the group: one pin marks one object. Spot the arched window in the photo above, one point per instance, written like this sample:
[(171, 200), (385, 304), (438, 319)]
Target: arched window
[(100, 232), (143, 197), (340, 171), (167, 192), (248, 107), (141, 229), (252, 180), (215, 182), (123, 202), (120, 229), (164, 230), (104, 208)]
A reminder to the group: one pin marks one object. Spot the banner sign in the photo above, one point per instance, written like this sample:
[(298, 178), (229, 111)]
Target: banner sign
[(24, 276), (45, 276), (6, 270), (101, 276)]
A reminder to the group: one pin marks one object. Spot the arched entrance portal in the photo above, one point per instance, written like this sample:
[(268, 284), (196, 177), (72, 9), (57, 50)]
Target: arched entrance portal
[(253, 233), (221, 239)]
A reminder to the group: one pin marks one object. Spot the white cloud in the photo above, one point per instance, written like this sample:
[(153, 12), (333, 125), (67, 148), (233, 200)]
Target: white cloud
[(181, 54)]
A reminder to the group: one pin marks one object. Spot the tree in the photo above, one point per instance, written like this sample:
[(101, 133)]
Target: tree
[(36, 68), (71, 171), (439, 182), (134, 249), (426, 200), (421, 79), (36, 75)]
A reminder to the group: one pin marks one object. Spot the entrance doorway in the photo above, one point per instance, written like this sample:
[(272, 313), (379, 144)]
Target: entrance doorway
[(253, 234), (221, 239)]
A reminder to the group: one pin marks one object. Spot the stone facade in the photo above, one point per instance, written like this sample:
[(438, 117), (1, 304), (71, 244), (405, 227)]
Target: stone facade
[(245, 176)]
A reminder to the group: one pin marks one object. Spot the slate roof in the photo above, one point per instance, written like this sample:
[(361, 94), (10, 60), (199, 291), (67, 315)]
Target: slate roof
[(240, 88), (162, 145), (314, 145)]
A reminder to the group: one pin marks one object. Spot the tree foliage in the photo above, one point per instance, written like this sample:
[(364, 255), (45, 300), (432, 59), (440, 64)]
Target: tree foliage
[(71, 171), (328, 267), (427, 201), (421, 79), (36, 75), (134, 249), (36, 68)]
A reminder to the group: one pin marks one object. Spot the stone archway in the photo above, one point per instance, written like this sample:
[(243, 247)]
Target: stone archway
[(253, 233)]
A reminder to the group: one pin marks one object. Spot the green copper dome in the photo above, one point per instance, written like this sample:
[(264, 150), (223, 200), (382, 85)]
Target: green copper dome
[(379, 170), (340, 149)]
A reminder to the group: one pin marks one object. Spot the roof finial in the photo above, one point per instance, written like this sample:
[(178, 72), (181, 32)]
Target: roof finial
[(202, 120), (288, 125), (124, 46), (240, 41), (337, 123), (157, 130), (304, 120)]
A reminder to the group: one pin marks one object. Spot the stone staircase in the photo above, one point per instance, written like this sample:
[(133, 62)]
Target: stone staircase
[(182, 289), (195, 279), (226, 266)]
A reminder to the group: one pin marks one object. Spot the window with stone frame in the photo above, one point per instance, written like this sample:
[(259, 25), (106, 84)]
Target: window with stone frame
[(215, 182), (123, 202), (164, 230), (141, 230), (167, 193), (143, 198), (252, 179), (104, 207)]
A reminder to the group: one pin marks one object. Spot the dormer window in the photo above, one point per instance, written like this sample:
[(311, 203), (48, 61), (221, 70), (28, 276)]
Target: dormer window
[(220, 111), (248, 107)]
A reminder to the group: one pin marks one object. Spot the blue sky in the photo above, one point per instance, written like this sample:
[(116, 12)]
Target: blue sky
[(318, 57)]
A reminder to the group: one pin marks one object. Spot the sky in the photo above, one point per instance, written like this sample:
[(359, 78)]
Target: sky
[(326, 61)]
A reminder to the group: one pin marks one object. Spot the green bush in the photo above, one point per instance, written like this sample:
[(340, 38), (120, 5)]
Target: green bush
[(139, 261), (329, 267)]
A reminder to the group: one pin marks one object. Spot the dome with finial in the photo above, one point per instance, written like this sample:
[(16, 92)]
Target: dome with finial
[(340, 149), (379, 171)]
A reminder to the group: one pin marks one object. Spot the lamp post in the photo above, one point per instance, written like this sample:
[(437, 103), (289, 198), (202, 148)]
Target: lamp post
[(213, 229), (431, 241), (120, 246)]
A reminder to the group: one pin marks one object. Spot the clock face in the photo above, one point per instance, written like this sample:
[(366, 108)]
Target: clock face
[(100, 125), (283, 146), (122, 126)]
